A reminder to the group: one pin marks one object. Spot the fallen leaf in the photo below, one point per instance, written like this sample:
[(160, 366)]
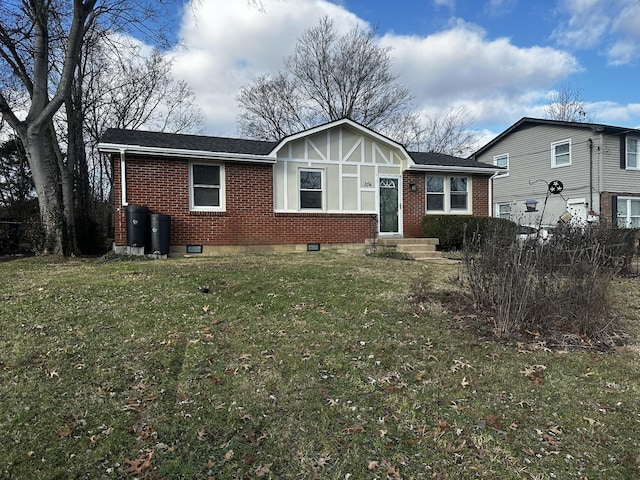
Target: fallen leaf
[(493, 421), (555, 430), (551, 441), (64, 432), (140, 464), (229, 455), (263, 470), (464, 383), (373, 465), (356, 428)]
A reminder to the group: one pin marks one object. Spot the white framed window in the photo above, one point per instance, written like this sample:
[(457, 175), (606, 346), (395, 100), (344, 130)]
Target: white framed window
[(447, 194), (561, 153), (458, 193), (435, 194), (503, 210), (502, 161), (311, 188), (206, 189), (632, 154), (628, 209)]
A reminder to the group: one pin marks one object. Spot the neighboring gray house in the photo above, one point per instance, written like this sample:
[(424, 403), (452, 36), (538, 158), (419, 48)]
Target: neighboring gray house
[(593, 169)]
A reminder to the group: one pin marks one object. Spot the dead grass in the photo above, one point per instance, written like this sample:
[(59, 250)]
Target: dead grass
[(292, 366)]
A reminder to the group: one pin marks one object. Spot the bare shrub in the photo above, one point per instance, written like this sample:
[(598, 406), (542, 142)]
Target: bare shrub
[(559, 285)]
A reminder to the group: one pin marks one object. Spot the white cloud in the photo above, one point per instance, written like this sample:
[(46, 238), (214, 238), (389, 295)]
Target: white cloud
[(588, 23), (613, 27), (493, 78), (227, 43)]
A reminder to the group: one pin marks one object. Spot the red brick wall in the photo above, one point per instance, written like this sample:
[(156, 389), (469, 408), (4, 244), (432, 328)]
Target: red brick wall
[(249, 219), (480, 200), (415, 201), (414, 204), (605, 206)]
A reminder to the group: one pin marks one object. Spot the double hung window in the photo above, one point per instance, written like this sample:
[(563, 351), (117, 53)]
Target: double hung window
[(632, 153), (447, 194), (503, 210), (561, 153), (207, 187), (310, 182), (628, 212), (502, 161)]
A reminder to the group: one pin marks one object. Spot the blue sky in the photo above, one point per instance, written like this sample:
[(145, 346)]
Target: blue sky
[(499, 59)]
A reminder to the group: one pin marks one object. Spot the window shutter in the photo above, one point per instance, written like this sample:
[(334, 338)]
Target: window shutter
[(614, 211), (623, 152)]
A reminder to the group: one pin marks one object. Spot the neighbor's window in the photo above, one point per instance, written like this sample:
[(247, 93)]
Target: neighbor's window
[(207, 191), (628, 212), (310, 189), (447, 194), (435, 194), (502, 161), (503, 210), (561, 153), (632, 153)]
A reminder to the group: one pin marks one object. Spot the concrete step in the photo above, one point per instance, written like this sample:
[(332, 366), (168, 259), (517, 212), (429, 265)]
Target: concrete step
[(418, 248)]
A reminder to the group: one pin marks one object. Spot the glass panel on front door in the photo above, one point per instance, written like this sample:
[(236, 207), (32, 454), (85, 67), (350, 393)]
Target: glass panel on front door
[(389, 196)]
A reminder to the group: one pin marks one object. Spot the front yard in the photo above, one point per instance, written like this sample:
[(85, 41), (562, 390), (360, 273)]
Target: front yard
[(292, 366)]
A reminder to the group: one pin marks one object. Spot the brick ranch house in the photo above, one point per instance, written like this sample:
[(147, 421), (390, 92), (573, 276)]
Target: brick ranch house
[(335, 185)]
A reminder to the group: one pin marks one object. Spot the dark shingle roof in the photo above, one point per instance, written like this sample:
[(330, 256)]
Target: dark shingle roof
[(526, 122), (175, 141), (186, 142), (440, 159)]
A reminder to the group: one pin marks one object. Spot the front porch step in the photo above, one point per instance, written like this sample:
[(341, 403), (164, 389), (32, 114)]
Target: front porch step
[(418, 248)]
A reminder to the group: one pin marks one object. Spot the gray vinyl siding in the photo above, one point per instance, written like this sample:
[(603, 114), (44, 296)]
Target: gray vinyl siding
[(530, 168), (616, 179)]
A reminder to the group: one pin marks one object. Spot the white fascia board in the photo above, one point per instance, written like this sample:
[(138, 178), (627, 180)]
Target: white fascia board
[(183, 153), (336, 123), (452, 169)]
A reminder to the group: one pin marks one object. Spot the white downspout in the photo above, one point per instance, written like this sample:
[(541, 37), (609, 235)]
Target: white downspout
[(123, 178), (491, 212)]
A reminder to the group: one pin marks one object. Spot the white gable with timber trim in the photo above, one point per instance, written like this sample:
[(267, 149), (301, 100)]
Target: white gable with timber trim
[(348, 159)]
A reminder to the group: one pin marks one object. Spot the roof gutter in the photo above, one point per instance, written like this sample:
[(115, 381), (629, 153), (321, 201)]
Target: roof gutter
[(184, 153), (453, 169)]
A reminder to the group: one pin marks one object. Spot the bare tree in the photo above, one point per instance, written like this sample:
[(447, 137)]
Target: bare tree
[(16, 185), (567, 104), (41, 44), (123, 88), (328, 77), (450, 133)]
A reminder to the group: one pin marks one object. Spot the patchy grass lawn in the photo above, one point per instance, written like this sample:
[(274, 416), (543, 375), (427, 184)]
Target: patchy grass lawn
[(291, 366)]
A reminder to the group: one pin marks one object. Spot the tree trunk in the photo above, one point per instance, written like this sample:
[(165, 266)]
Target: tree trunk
[(46, 178)]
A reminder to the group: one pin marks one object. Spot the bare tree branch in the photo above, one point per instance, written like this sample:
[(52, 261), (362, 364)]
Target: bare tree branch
[(568, 105)]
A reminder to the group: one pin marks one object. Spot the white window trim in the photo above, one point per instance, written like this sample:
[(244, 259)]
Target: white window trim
[(222, 206), (443, 193), (626, 153), (628, 218), (323, 199), (553, 153), (447, 196), (497, 209), (495, 162)]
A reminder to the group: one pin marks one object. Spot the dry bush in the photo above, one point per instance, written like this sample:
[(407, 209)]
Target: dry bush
[(562, 285)]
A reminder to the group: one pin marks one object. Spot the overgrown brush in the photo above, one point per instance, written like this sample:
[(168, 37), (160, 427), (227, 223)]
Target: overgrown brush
[(561, 285)]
